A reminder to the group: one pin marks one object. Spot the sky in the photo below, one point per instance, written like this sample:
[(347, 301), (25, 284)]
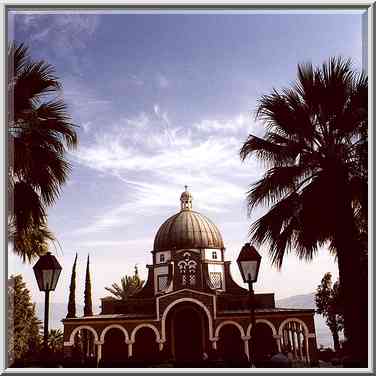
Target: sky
[(163, 101)]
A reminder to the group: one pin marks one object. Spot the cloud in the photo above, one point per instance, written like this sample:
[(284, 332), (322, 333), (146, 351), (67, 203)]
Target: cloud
[(60, 36), (86, 102), (156, 109), (67, 30), (139, 122), (154, 159), (238, 123)]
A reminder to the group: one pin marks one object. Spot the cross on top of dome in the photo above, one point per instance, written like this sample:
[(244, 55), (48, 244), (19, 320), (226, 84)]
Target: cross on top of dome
[(186, 199)]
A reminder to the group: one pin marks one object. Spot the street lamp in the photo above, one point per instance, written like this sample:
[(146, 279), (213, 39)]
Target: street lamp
[(47, 271), (249, 264)]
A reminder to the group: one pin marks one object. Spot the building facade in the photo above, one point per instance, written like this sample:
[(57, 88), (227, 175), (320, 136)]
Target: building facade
[(190, 308)]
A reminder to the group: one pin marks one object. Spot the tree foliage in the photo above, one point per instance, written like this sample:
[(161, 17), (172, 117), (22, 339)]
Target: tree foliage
[(129, 285), (88, 307), (55, 341), (329, 303), (40, 131), (72, 292), (24, 337), (315, 152)]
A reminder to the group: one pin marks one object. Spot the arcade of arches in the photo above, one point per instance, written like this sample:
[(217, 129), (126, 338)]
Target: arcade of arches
[(190, 308), (186, 334)]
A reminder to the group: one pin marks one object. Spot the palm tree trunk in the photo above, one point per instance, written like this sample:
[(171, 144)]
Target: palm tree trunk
[(348, 254)]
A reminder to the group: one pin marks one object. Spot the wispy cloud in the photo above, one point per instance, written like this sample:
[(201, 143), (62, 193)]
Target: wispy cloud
[(238, 123), (70, 33), (155, 163), (68, 30)]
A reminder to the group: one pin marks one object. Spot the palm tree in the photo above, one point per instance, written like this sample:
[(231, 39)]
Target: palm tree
[(129, 285), (55, 340), (39, 133), (315, 149)]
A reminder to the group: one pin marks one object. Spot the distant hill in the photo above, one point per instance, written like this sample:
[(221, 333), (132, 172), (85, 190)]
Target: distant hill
[(323, 334), (298, 301)]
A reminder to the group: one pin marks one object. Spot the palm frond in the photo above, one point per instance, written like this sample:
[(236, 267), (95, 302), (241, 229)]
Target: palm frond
[(275, 185), (40, 131), (315, 148)]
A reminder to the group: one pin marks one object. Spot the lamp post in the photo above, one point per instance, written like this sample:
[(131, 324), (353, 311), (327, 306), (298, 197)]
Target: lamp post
[(47, 271), (249, 264)]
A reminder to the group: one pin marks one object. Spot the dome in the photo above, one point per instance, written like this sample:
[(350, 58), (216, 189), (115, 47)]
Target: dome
[(187, 229)]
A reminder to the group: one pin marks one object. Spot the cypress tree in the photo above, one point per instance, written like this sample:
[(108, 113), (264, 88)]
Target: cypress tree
[(88, 307), (72, 292)]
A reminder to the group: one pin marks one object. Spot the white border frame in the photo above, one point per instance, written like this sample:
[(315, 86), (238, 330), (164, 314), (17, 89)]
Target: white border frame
[(322, 4)]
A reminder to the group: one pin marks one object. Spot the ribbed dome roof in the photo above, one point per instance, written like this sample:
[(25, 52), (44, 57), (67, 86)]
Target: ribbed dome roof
[(187, 229)]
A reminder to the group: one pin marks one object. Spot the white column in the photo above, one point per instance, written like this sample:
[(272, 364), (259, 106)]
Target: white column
[(300, 344), (246, 347), (99, 352), (214, 342), (130, 343), (307, 348), (278, 341), (294, 340)]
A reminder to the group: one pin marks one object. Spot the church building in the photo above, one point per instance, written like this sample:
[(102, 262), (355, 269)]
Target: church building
[(190, 308)]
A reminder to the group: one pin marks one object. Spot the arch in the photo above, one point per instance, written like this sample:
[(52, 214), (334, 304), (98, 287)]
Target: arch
[(232, 344), (229, 322), (113, 326), (284, 322), (210, 320), (267, 322), (157, 335), (75, 330)]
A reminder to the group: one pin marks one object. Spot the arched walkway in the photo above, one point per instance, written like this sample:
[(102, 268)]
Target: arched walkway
[(178, 301), (121, 328), (294, 338), (92, 330), (230, 344), (152, 327), (115, 348), (229, 322), (84, 340), (267, 322), (264, 344), (293, 319), (187, 333), (145, 346)]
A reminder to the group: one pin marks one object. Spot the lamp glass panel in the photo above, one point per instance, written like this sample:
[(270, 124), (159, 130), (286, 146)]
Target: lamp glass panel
[(55, 278), (39, 278), (47, 276), (249, 269)]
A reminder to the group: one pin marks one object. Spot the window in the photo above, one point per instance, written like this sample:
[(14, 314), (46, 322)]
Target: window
[(162, 282), (214, 255), (192, 279), (162, 258), (216, 280)]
